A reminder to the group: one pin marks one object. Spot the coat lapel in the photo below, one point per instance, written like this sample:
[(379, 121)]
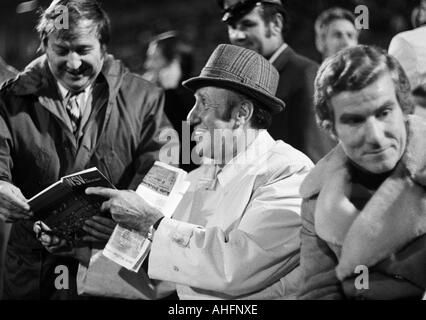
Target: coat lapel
[(283, 58)]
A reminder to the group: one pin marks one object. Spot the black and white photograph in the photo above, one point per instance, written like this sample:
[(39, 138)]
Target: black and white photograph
[(294, 132)]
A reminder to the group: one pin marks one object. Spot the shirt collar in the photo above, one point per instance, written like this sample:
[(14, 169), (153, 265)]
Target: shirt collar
[(64, 92), (278, 52), (251, 156)]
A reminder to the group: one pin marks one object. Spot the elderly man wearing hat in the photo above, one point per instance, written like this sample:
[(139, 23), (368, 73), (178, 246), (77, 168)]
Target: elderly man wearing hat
[(260, 25), (235, 234)]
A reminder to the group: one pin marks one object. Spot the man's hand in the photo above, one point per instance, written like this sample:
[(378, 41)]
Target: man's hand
[(127, 208), (99, 229), (13, 206), (60, 247)]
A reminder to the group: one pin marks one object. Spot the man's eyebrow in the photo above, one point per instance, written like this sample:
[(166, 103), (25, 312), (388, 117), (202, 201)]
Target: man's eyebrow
[(349, 116)]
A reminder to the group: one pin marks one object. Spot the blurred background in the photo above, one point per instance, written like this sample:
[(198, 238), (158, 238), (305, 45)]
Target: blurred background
[(135, 22)]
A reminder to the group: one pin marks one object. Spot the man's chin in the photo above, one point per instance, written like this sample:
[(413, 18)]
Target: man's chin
[(77, 86), (380, 167)]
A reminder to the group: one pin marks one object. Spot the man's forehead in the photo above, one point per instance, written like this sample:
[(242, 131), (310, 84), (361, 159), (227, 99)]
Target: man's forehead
[(381, 91), (341, 24), (84, 30)]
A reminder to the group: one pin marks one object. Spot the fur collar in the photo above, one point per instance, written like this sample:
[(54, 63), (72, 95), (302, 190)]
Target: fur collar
[(394, 215)]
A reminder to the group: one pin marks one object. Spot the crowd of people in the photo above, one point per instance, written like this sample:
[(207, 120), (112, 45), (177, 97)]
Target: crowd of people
[(319, 193)]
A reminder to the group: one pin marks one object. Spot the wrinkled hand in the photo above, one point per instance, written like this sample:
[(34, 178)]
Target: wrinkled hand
[(127, 208), (60, 247), (99, 229), (14, 206)]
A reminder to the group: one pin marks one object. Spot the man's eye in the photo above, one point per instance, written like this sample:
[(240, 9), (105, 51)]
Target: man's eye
[(248, 24), (384, 113), (61, 52), (353, 121), (83, 51)]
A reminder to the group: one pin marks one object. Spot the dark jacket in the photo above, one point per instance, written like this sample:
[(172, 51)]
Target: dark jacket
[(376, 251), (296, 125), (37, 147), (6, 72)]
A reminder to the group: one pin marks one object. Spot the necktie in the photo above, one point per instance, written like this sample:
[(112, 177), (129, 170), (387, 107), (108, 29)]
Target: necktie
[(74, 111)]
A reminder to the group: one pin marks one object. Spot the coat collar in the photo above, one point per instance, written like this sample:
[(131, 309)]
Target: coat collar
[(395, 215), (280, 62)]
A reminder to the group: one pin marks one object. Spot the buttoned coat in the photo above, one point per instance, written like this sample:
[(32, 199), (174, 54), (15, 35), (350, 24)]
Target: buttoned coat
[(37, 147)]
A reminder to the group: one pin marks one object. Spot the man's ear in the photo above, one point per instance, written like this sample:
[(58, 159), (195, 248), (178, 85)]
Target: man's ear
[(104, 50), (244, 112), (277, 24), (328, 126), (319, 43)]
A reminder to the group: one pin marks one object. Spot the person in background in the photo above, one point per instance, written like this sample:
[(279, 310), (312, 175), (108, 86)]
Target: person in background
[(80, 108), (169, 61), (6, 72), (261, 26), (335, 30), (409, 48), (364, 208)]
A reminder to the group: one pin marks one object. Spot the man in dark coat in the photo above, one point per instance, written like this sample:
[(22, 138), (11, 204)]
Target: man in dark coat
[(260, 26), (364, 208), (6, 72), (113, 123)]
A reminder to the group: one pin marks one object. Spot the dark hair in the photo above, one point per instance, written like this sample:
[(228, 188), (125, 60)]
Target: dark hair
[(76, 10), (353, 69), (328, 16), (261, 118), (173, 47), (269, 12)]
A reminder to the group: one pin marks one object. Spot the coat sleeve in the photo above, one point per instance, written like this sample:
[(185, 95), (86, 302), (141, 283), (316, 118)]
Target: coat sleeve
[(317, 261), (153, 140), (260, 250), (6, 163), (316, 143)]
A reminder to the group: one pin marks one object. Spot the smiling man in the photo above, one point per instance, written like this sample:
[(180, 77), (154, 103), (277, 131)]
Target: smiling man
[(364, 208), (235, 234), (73, 108)]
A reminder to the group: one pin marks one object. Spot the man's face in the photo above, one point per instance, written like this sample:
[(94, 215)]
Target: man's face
[(77, 61), (207, 117), (371, 126), (338, 35), (155, 61), (251, 32)]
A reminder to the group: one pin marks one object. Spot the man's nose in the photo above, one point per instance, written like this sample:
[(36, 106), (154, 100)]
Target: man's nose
[(193, 116), (236, 35), (348, 41), (73, 61), (374, 132)]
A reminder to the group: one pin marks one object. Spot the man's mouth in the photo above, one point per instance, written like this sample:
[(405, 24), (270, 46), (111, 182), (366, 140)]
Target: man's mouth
[(376, 152), (198, 132), (75, 73)]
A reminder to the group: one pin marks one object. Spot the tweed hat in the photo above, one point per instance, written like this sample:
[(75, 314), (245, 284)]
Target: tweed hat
[(243, 70)]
